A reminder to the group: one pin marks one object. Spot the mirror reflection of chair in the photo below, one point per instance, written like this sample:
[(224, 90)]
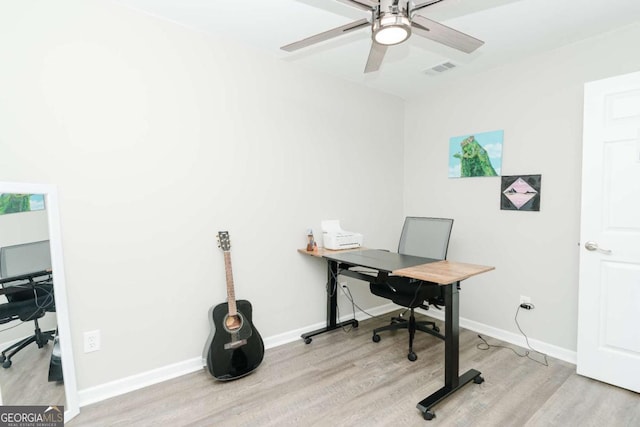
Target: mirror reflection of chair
[(27, 284), (423, 237)]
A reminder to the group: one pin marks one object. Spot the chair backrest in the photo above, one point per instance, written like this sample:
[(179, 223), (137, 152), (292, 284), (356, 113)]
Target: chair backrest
[(425, 237), (25, 258)]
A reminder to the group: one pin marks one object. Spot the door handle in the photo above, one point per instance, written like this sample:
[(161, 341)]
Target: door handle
[(593, 246)]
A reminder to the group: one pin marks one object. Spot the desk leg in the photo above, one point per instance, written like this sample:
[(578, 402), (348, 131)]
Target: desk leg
[(452, 382), (332, 305)]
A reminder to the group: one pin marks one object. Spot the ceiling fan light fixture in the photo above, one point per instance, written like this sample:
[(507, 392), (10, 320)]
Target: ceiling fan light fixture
[(391, 29)]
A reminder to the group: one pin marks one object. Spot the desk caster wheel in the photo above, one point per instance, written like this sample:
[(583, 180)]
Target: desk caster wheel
[(6, 364), (375, 338), (412, 356), (355, 324), (308, 340), (478, 380), (428, 415)]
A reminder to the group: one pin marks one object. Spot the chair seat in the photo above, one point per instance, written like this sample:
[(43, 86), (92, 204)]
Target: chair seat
[(23, 310), (409, 293)]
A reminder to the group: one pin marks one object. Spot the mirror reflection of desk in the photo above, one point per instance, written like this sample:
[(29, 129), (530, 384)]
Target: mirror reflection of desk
[(23, 227), (448, 274), (31, 364), (29, 298)]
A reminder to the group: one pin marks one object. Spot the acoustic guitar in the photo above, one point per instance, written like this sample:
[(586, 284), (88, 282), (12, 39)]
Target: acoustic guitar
[(234, 347)]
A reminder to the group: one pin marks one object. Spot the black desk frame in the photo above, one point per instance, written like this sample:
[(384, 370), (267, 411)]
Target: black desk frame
[(452, 380), (332, 305)]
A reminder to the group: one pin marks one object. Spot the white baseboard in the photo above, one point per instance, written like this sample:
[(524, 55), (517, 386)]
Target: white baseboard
[(138, 381), (294, 335), (155, 376), (509, 337)]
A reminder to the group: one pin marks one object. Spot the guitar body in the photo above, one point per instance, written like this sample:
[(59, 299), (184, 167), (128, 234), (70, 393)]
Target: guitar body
[(234, 354)]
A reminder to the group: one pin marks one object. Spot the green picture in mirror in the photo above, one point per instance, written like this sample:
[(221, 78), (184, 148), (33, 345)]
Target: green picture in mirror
[(14, 203)]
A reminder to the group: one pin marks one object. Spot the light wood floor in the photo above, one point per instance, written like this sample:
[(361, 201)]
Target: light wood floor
[(26, 382), (344, 379)]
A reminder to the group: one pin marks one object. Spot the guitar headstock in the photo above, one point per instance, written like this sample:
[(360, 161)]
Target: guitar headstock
[(223, 241)]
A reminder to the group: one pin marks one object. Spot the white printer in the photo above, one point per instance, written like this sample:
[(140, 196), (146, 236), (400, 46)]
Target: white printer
[(335, 238)]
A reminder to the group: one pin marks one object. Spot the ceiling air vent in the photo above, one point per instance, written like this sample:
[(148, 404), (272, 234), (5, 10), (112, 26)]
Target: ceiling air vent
[(440, 68)]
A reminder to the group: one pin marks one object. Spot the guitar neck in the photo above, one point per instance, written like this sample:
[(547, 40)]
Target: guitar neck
[(231, 297)]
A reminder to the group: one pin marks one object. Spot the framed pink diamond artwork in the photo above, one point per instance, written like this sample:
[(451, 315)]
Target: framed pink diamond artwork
[(520, 193)]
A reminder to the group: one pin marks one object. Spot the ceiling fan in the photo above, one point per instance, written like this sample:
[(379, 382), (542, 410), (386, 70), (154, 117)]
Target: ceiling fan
[(392, 22)]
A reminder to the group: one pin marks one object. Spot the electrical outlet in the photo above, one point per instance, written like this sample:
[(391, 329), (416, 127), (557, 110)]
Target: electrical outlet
[(91, 341), (525, 300)]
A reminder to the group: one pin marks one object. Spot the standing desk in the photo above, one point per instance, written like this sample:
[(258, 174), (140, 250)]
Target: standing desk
[(25, 282), (445, 273)]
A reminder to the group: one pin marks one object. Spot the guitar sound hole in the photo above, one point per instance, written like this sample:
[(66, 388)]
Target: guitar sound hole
[(233, 323)]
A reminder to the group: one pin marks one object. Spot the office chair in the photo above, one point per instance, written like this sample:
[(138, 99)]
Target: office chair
[(28, 286), (423, 237)]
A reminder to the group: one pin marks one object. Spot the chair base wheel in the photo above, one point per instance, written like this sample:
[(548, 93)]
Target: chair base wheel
[(375, 338), (428, 415), (412, 356), (6, 364), (308, 340)]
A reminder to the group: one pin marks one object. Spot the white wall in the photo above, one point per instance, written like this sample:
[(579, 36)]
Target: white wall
[(538, 103), (158, 137)]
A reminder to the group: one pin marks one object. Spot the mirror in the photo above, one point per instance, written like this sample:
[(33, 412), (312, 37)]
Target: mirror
[(46, 221)]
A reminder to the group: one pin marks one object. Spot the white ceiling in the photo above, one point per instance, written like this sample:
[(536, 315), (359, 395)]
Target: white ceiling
[(511, 30)]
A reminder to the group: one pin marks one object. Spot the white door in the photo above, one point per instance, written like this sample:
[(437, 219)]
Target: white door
[(609, 293)]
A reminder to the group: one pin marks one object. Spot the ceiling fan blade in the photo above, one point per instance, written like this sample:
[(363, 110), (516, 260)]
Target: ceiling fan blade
[(367, 5), (326, 35), (425, 4), (376, 55), (446, 35)]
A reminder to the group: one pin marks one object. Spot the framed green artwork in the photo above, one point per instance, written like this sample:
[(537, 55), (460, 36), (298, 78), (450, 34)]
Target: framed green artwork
[(478, 154)]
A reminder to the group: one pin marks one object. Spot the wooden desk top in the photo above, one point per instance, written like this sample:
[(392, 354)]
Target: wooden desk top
[(321, 252), (441, 272)]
